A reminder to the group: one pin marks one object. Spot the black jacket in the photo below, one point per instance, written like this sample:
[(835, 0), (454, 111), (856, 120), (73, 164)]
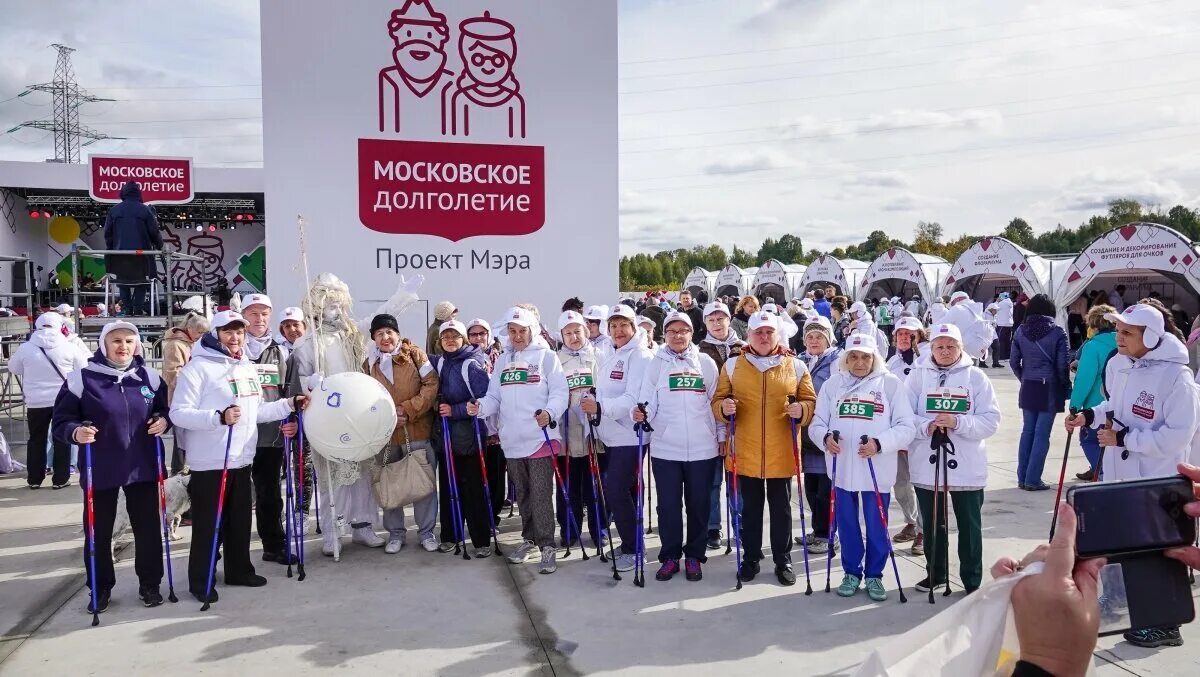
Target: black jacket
[(130, 226)]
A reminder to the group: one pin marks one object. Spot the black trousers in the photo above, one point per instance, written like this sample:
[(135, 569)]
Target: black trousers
[(178, 458), (141, 502), (816, 489), (577, 473), (776, 492), (683, 487), (497, 465), (268, 499), (470, 497), (38, 419), (204, 490)]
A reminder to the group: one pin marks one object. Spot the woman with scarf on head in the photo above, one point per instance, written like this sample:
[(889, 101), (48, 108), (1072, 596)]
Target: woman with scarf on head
[(43, 364), (721, 344), (479, 334), (951, 398), (1039, 361), (869, 409), (820, 356), (124, 404), (647, 325), (1154, 403), (910, 338), (618, 381), (579, 360), (755, 387), (404, 371), (218, 400), (462, 378), (676, 390)]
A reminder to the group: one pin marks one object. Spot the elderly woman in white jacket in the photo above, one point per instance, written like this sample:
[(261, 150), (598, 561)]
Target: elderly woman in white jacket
[(950, 396), (1154, 405), (677, 390), (868, 408), (43, 363), (218, 400)]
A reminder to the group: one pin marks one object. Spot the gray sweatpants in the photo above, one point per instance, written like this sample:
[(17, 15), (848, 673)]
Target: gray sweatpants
[(905, 495), (534, 481), (425, 510)]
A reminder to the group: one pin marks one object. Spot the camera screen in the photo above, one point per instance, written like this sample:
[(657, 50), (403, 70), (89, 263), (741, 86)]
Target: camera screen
[(1127, 517)]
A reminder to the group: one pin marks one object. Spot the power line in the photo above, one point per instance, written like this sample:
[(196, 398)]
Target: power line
[(173, 120), (251, 84)]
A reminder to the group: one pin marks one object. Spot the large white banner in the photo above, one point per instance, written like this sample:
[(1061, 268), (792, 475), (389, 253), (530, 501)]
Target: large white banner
[(469, 141)]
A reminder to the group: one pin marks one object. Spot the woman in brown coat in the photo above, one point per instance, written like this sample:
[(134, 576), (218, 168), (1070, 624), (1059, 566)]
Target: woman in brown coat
[(755, 386), (176, 352)]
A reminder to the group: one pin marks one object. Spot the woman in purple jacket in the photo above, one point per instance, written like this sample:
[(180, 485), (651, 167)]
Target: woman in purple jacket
[(125, 403), (1039, 360)]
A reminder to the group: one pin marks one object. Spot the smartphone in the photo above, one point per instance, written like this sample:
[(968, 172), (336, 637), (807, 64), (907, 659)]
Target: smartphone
[(1147, 590), (1122, 518)]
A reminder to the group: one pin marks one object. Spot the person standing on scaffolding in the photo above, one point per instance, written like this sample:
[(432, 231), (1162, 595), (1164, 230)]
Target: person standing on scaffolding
[(131, 226)]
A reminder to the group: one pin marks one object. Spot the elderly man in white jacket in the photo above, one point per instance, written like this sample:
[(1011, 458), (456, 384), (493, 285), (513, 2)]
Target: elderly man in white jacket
[(868, 407), (218, 400), (42, 363), (677, 390), (1150, 422), (952, 401), (528, 390)]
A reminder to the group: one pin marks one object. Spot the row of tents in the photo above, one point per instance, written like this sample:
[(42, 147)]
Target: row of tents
[(1144, 257)]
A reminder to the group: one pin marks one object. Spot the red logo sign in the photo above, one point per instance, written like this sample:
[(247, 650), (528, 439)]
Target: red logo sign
[(161, 180), (452, 190)]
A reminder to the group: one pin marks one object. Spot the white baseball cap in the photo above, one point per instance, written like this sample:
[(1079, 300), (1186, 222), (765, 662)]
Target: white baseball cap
[(945, 330), (764, 319), (806, 303), (676, 316), (858, 307), (63, 309), (256, 300), (480, 322), (819, 323), (568, 318), (456, 326), (644, 321), (716, 307), (520, 317), (863, 343), (596, 312), (910, 323), (1142, 315), (958, 296), (292, 313), (623, 311), (771, 308), (225, 318)]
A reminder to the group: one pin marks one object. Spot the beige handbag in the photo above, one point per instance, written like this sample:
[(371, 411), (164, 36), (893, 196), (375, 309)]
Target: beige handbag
[(405, 481)]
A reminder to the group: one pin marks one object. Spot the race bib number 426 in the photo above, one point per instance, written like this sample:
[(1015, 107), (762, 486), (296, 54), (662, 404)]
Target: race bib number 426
[(947, 404), (511, 376)]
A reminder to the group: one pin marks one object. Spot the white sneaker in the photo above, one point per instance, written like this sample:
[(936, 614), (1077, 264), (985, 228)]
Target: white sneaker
[(367, 536), (522, 552), (393, 546), (483, 552), (626, 562), (429, 543), (547, 565)]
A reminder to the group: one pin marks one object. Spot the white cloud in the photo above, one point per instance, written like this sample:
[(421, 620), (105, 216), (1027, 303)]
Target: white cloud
[(1091, 191), (633, 202), (894, 122), (876, 180), (743, 163)]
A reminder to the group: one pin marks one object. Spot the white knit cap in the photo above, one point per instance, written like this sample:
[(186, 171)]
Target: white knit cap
[(120, 324)]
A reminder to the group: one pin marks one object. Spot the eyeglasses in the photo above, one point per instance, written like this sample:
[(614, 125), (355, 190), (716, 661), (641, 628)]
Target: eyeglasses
[(496, 59), (678, 332), (477, 334)]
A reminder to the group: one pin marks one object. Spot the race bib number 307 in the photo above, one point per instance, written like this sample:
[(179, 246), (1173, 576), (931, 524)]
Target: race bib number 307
[(947, 404), (692, 383)]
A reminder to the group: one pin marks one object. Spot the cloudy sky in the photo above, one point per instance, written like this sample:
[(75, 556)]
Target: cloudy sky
[(741, 120)]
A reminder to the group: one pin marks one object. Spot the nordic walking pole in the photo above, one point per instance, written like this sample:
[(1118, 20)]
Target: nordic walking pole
[(837, 436), (949, 464), (612, 555), (884, 521), (212, 558), (639, 574), (289, 504), (162, 502), (649, 494), (300, 486), (487, 488), (594, 471), (734, 506), (1062, 474), (931, 553), (91, 529), (562, 487), (800, 495), (1108, 417), (452, 483)]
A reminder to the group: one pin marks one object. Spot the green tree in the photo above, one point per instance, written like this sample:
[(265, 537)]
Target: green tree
[(1019, 232), (928, 238), (742, 258)]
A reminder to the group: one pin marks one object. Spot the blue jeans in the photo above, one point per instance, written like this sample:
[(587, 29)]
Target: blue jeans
[(1091, 446), (846, 510), (1035, 444)]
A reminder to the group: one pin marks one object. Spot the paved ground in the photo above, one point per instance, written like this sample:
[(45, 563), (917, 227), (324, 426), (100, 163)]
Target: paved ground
[(417, 613)]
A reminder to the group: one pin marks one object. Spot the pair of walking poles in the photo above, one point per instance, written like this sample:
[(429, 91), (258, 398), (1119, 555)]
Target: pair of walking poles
[(91, 523), (456, 512)]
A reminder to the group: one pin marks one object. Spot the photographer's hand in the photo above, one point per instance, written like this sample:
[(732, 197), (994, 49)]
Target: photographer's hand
[(1191, 554), (1056, 612)]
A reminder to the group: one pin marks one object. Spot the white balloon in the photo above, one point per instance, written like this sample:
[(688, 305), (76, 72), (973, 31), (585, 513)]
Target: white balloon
[(350, 418)]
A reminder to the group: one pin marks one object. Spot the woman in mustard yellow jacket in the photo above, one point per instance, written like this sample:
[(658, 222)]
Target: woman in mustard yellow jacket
[(755, 387)]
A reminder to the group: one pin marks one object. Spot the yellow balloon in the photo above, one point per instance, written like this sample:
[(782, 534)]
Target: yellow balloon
[(64, 229)]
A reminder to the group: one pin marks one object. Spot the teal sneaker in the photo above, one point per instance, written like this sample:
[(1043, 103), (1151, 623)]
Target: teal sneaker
[(875, 590), (849, 585)]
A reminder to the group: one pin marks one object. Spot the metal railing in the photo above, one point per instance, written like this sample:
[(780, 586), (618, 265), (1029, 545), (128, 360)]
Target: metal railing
[(167, 286)]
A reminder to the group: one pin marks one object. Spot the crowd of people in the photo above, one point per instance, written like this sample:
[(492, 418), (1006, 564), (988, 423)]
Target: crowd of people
[(571, 419)]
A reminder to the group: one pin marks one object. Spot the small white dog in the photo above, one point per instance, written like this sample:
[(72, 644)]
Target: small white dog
[(178, 502)]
